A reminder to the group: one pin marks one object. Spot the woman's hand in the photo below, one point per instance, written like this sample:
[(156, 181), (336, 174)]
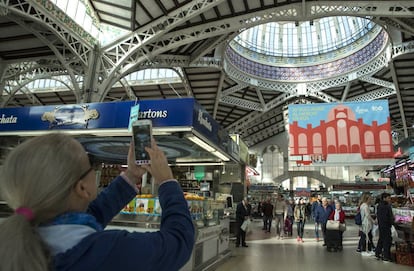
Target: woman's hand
[(158, 168), (134, 172)]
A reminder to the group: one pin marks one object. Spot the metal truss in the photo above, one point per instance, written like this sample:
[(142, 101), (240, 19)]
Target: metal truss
[(184, 80), (327, 83), (263, 133), (361, 8), (207, 47), (25, 91), (377, 81), (20, 85), (243, 78), (59, 53), (374, 65), (233, 89), (403, 48), (239, 125), (52, 19), (128, 89), (122, 52), (373, 95), (144, 44), (322, 96), (399, 98), (242, 103), (27, 69)]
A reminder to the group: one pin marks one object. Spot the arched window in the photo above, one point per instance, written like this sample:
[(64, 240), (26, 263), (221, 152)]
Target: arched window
[(272, 163)]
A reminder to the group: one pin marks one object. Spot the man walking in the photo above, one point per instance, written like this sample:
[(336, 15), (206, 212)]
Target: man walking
[(280, 211), (267, 208), (322, 214), (385, 219)]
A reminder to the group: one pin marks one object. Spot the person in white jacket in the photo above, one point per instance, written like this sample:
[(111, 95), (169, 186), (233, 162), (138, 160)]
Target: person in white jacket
[(365, 242)]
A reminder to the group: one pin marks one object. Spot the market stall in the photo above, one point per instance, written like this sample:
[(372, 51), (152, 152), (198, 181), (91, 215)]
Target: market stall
[(182, 129)]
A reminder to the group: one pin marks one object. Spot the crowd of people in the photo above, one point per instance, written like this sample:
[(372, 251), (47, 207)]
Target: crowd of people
[(285, 213)]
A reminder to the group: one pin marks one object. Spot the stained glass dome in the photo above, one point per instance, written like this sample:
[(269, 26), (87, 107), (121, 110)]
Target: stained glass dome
[(296, 39), (308, 50)]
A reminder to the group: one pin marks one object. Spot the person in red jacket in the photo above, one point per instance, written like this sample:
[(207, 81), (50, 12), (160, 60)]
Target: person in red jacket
[(338, 215)]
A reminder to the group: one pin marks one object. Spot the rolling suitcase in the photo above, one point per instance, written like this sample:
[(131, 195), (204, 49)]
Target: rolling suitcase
[(333, 240), (288, 227)]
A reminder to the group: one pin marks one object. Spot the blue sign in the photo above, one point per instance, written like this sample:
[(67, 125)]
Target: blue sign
[(163, 113), (184, 112)]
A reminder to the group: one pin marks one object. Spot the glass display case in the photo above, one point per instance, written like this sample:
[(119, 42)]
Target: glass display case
[(212, 223)]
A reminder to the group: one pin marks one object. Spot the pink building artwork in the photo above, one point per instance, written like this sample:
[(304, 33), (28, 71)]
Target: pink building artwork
[(345, 133)]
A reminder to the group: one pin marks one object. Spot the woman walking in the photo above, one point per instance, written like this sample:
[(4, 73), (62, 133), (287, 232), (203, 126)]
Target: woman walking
[(300, 218)]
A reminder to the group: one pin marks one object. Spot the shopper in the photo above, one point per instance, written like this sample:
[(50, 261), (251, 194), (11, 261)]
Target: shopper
[(280, 215), (300, 218), (290, 206), (322, 213), (314, 209), (242, 214), (385, 221), (338, 215), (365, 242), (267, 214), (58, 218)]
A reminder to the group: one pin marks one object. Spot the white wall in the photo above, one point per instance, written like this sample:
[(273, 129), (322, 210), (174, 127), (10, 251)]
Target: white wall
[(342, 174)]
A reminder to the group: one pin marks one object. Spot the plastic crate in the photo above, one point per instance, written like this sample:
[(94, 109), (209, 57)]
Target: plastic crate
[(405, 258)]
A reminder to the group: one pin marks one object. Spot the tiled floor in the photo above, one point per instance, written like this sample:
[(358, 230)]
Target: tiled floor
[(266, 252)]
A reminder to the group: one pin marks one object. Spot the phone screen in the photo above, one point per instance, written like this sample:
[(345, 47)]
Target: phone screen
[(142, 139)]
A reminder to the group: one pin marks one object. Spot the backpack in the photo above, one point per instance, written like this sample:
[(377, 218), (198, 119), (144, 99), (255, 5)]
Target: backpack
[(358, 218)]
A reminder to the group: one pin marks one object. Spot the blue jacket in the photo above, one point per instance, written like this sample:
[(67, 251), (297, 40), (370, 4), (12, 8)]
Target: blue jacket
[(167, 249), (322, 214)]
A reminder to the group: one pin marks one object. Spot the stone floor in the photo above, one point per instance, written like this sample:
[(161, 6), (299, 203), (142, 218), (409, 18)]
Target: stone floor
[(266, 252)]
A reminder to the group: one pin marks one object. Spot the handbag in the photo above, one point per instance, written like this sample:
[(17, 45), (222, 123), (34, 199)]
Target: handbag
[(332, 225), (245, 225)]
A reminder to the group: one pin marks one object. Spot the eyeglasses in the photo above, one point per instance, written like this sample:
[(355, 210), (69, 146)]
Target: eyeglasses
[(86, 173)]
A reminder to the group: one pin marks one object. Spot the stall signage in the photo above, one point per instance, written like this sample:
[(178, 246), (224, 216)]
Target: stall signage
[(375, 186), (302, 192), (205, 124), (263, 188), (4, 119), (163, 113)]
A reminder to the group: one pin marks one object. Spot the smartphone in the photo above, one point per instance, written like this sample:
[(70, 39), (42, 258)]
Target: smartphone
[(142, 134)]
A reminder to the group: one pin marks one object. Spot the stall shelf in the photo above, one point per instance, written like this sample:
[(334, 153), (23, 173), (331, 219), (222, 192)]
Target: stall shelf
[(143, 214)]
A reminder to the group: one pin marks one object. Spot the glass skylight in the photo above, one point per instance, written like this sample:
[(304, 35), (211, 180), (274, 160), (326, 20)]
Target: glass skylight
[(83, 15), (298, 39)]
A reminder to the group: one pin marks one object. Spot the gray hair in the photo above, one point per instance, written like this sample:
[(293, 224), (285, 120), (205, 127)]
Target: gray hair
[(38, 174)]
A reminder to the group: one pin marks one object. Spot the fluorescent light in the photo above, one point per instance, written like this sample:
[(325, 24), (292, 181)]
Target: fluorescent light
[(96, 132), (221, 155), (207, 147), (169, 130), (199, 164), (201, 143)]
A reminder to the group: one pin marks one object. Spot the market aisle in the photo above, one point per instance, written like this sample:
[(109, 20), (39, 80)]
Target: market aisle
[(266, 253)]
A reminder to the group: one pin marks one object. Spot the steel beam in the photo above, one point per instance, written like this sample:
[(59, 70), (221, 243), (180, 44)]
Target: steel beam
[(398, 94)]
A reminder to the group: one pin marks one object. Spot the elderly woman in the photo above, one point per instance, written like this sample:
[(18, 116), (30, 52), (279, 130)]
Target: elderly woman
[(338, 215)]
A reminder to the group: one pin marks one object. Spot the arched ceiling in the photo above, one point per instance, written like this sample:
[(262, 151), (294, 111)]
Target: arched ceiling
[(190, 36)]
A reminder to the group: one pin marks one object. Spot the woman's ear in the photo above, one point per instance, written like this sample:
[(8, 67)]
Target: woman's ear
[(81, 189)]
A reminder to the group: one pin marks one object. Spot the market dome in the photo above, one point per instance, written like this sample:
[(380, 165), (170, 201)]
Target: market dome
[(308, 50)]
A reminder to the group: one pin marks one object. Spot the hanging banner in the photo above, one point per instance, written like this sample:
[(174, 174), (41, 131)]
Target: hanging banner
[(357, 133)]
